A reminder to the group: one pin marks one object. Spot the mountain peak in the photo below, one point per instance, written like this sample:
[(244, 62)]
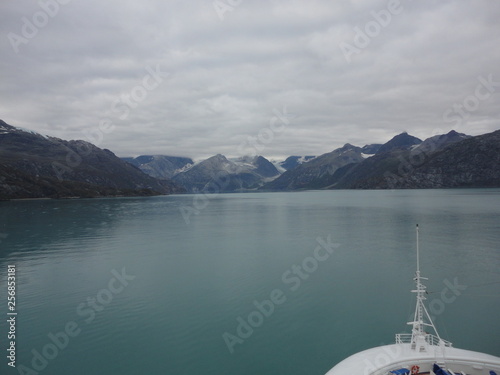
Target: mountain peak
[(348, 146), (216, 159), (3, 123), (401, 141), (441, 141)]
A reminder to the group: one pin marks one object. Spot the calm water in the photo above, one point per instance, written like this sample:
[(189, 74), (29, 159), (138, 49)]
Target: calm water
[(189, 284)]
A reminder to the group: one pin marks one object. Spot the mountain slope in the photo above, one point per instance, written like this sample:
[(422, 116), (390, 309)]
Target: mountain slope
[(33, 165)]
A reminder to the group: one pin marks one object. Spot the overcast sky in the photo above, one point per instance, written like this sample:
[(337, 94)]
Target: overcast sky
[(200, 77)]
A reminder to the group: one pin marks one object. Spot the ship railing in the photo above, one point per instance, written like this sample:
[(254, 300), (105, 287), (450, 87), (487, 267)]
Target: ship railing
[(405, 338)]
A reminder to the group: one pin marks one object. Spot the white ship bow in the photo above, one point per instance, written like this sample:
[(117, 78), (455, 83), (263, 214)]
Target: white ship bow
[(418, 352)]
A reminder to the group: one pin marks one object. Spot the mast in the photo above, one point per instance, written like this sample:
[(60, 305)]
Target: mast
[(421, 318)]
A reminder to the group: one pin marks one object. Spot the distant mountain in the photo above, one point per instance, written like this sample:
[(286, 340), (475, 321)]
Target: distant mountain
[(402, 141), (471, 162), (292, 162), (37, 166), (446, 161), (310, 175), (160, 166), (218, 174), (443, 161)]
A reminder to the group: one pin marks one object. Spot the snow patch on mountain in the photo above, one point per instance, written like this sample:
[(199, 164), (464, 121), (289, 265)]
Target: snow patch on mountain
[(31, 132), (186, 168), (9, 129)]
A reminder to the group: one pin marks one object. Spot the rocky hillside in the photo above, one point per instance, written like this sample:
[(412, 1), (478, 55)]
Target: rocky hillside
[(35, 166)]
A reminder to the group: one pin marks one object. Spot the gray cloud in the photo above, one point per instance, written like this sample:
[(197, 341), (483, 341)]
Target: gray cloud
[(225, 77)]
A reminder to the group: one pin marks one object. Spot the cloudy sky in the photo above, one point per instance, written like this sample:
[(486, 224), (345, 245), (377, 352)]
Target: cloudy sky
[(278, 77)]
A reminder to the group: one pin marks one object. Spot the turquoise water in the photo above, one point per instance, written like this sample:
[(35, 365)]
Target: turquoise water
[(185, 287)]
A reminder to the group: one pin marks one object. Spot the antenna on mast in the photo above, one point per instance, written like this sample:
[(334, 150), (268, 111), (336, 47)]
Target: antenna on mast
[(418, 254)]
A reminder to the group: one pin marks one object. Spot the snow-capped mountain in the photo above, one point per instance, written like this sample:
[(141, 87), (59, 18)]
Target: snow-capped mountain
[(219, 174)]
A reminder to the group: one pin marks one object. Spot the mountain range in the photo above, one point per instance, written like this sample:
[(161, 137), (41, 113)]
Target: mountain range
[(450, 160), (442, 161), (33, 166), (395, 162)]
